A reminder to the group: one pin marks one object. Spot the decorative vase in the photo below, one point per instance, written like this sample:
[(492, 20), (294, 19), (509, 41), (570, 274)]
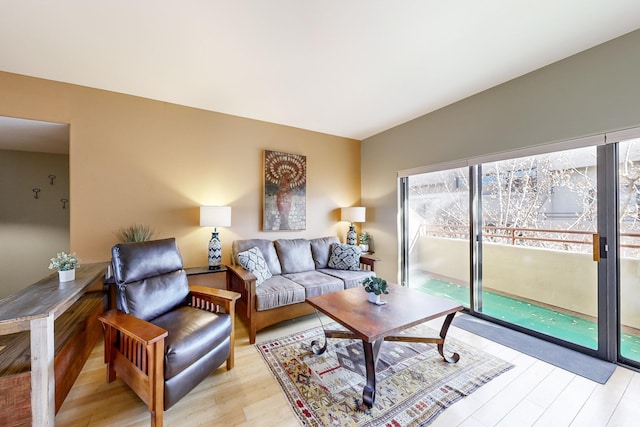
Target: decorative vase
[(67, 275), (215, 252), (352, 237), (374, 298)]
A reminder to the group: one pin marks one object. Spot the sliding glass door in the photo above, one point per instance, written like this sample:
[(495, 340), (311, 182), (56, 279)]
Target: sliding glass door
[(539, 216), (548, 242), (629, 238), (437, 224)]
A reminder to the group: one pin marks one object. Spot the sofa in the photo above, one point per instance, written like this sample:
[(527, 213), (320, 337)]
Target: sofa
[(275, 277)]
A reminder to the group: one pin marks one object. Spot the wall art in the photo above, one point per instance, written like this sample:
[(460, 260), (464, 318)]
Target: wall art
[(285, 191)]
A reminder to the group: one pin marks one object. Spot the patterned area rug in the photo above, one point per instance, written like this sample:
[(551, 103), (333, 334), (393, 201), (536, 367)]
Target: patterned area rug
[(414, 384)]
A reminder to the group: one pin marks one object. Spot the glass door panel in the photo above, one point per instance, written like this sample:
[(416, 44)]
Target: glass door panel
[(438, 233), (539, 215), (629, 251)]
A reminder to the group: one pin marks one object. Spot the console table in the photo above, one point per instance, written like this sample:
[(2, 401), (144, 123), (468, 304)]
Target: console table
[(56, 323)]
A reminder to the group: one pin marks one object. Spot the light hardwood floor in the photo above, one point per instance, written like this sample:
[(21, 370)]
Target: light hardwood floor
[(533, 393)]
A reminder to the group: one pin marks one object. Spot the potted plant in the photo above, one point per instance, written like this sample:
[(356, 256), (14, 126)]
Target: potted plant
[(364, 238), (375, 286), (66, 265), (136, 233)]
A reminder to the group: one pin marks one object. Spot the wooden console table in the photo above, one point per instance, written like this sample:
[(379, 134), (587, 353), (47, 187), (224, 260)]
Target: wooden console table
[(54, 322)]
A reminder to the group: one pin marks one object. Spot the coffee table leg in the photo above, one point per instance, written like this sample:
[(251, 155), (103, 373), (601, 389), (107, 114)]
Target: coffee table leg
[(371, 351), (443, 334)]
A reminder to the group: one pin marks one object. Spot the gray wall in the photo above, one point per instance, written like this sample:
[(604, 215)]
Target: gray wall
[(31, 230), (593, 92)]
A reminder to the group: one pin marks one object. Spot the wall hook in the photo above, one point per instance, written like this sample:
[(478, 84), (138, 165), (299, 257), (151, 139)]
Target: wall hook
[(35, 192), (51, 178), (64, 203)]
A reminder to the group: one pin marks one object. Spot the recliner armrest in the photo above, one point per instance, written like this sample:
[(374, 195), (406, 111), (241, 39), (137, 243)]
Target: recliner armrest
[(220, 297), (138, 329)]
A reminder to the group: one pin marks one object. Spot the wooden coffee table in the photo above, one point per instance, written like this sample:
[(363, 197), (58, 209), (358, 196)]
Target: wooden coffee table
[(374, 324)]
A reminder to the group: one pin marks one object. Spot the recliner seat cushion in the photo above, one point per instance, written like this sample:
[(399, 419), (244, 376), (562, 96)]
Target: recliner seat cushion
[(192, 334)]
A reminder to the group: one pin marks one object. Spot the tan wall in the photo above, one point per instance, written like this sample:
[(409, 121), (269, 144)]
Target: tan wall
[(31, 230), (592, 92), (134, 160)]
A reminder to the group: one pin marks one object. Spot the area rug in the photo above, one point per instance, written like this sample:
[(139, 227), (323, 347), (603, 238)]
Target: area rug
[(414, 384)]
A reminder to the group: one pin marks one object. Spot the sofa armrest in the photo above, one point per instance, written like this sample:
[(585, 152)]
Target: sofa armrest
[(368, 262), (241, 273), (243, 282)]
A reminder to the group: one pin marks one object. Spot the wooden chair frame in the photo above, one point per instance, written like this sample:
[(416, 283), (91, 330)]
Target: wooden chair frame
[(134, 348)]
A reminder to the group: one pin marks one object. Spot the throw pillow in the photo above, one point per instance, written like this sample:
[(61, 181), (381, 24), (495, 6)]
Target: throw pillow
[(253, 261), (344, 257)]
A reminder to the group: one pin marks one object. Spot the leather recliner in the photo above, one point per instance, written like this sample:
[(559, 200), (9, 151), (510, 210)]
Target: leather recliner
[(165, 337)]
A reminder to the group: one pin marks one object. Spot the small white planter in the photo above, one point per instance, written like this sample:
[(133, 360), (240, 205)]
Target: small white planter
[(374, 298), (364, 248), (67, 275)]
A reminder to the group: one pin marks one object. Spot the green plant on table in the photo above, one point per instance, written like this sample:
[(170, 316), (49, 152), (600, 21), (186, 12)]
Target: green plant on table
[(136, 233), (375, 285), (64, 262), (364, 237)]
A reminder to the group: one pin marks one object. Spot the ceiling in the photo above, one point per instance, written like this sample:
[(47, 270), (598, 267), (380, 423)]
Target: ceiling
[(347, 68)]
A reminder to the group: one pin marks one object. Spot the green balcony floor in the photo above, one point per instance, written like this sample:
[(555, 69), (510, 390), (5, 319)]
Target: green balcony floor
[(531, 316)]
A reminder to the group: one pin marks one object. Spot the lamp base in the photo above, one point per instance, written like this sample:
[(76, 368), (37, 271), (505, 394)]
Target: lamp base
[(352, 238), (215, 252)]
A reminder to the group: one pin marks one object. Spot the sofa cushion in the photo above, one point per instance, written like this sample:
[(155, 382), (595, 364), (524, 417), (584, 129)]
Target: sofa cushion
[(295, 255), (192, 334), (266, 247), (351, 279), (316, 283), (344, 257), (321, 250), (253, 261), (277, 292)]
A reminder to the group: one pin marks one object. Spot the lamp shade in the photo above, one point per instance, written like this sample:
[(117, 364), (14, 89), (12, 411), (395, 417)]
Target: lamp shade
[(354, 214), (215, 216)]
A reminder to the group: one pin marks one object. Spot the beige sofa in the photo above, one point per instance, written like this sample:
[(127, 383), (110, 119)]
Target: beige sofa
[(298, 268)]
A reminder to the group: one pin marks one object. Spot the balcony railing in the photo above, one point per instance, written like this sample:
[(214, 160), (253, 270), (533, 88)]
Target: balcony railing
[(571, 240)]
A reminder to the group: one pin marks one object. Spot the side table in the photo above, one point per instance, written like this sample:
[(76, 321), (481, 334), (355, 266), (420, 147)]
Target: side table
[(202, 276)]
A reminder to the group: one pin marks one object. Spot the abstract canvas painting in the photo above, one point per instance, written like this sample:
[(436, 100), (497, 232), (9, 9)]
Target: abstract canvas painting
[(285, 191)]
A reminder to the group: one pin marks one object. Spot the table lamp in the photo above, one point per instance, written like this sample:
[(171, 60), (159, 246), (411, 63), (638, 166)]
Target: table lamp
[(353, 214), (215, 216)]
